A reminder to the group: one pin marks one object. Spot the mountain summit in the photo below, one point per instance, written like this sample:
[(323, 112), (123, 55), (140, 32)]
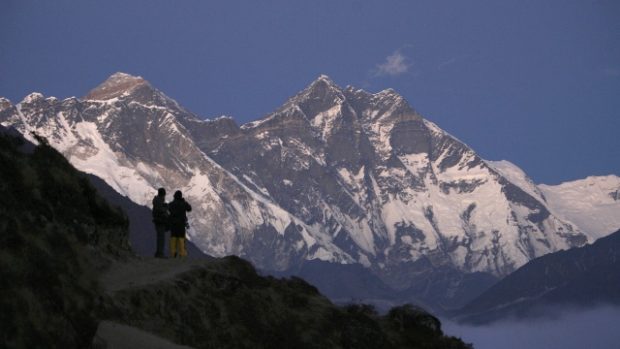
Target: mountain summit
[(117, 85), (123, 86)]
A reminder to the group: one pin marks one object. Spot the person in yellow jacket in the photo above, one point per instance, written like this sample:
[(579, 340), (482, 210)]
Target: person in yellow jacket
[(178, 223)]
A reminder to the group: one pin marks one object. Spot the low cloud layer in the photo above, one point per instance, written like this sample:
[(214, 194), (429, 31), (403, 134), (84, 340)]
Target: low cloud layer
[(596, 328), (395, 64)]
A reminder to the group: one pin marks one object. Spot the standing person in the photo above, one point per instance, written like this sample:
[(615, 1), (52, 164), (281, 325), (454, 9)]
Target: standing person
[(160, 218), (178, 222)]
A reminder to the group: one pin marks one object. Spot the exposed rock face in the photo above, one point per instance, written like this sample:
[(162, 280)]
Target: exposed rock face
[(388, 185), (120, 84), (339, 175)]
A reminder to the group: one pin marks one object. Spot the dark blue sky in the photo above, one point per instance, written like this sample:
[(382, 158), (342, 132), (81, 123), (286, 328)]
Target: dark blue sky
[(533, 82)]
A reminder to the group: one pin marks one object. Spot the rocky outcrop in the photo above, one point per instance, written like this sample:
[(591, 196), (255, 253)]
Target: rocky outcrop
[(224, 303)]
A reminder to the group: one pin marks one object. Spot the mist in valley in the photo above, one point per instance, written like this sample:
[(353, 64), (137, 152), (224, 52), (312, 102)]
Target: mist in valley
[(567, 329)]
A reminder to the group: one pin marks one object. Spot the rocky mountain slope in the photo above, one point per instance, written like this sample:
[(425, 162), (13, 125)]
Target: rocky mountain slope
[(67, 268), (338, 175), (142, 234), (584, 276)]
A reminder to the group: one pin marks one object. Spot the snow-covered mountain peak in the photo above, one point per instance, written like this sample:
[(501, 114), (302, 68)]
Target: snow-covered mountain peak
[(325, 79), (119, 76), (324, 104), (384, 97), (592, 203), (360, 93), (388, 92), (138, 92), (610, 182), (323, 88), (116, 85), (5, 103), (31, 98), (308, 107)]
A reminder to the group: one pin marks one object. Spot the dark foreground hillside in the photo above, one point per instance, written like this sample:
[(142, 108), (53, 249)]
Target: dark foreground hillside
[(66, 268), (56, 233)]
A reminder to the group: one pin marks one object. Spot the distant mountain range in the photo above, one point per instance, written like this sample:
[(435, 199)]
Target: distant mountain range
[(335, 174), (581, 277)]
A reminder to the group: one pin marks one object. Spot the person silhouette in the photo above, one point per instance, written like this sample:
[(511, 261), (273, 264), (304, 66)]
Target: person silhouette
[(160, 219), (178, 223)]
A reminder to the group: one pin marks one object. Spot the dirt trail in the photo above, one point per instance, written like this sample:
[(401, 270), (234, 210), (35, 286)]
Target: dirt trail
[(147, 271), (136, 273), (112, 335)]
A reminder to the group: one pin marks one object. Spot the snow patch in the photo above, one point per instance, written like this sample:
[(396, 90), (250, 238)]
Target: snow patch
[(33, 97), (587, 203), (516, 175), (106, 165)]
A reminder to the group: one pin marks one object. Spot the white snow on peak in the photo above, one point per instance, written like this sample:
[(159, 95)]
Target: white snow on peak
[(221, 117), (105, 163), (325, 121), (32, 97), (516, 175), (593, 203), (120, 75), (5, 104), (325, 78), (121, 78), (388, 92)]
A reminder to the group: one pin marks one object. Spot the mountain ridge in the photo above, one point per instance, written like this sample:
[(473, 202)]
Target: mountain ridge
[(340, 175), (581, 277)]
